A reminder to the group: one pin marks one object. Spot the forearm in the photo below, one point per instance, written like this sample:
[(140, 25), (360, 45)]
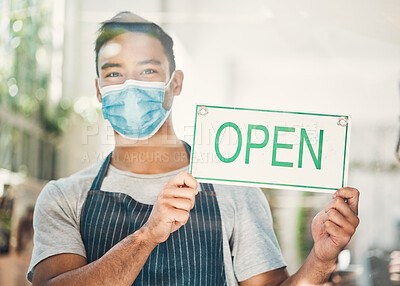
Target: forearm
[(119, 266), (312, 272)]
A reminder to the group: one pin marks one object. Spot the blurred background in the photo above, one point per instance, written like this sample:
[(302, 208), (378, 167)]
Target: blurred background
[(317, 56)]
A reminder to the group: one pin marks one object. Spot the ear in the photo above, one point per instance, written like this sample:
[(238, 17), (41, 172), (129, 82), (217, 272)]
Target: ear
[(177, 83), (96, 83)]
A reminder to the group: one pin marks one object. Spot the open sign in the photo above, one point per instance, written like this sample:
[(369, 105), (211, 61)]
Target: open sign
[(274, 149)]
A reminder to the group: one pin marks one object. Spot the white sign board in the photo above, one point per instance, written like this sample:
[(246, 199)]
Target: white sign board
[(272, 149)]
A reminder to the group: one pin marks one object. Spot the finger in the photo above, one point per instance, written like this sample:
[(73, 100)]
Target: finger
[(394, 268), (179, 216), (351, 195), (338, 219), (395, 254), (181, 204), (339, 204), (395, 260), (395, 278), (336, 232), (183, 179), (184, 193)]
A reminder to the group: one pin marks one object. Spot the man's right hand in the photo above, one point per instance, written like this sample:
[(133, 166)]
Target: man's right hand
[(172, 208), (169, 213)]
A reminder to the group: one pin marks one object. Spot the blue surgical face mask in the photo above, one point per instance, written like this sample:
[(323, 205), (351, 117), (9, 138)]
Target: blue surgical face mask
[(135, 108)]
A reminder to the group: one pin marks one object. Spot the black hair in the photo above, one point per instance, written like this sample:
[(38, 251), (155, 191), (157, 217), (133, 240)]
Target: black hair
[(123, 23)]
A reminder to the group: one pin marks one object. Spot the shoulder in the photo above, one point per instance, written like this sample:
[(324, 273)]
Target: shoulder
[(241, 203), (83, 178), (69, 191)]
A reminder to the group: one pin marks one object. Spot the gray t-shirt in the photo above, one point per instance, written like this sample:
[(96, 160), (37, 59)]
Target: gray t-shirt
[(249, 243)]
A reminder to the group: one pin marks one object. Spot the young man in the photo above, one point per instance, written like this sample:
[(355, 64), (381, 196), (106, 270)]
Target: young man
[(136, 219)]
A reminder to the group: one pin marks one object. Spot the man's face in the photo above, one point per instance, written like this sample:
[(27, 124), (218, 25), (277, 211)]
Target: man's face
[(136, 56)]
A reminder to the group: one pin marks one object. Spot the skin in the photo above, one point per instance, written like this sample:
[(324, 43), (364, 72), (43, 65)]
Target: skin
[(394, 267), (141, 57)]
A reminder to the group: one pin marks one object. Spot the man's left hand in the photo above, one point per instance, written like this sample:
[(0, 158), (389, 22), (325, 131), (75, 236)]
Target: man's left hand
[(333, 227), (332, 230)]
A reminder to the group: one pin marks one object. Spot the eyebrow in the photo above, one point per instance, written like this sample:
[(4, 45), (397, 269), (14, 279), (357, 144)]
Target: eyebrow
[(110, 65), (151, 61), (145, 62)]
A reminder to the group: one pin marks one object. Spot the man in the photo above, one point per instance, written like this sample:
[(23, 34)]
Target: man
[(394, 265), (139, 217)]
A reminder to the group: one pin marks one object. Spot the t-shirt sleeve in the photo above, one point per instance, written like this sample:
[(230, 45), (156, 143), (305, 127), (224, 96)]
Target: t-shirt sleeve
[(56, 227), (254, 246)]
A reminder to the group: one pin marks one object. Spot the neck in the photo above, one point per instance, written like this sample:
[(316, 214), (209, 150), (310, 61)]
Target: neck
[(163, 152)]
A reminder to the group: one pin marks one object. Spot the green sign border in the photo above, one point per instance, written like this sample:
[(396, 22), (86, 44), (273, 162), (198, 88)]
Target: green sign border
[(272, 111)]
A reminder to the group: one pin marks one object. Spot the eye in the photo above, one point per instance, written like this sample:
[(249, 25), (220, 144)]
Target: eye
[(148, 71), (113, 74)]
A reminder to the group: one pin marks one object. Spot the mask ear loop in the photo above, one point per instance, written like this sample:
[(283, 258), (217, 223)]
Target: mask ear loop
[(170, 80)]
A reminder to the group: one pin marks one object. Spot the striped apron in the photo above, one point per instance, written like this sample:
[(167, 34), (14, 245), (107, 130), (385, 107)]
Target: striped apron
[(192, 255)]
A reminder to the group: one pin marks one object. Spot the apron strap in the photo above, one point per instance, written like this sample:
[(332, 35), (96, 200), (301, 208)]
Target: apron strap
[(187, 147), (96, 185)]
